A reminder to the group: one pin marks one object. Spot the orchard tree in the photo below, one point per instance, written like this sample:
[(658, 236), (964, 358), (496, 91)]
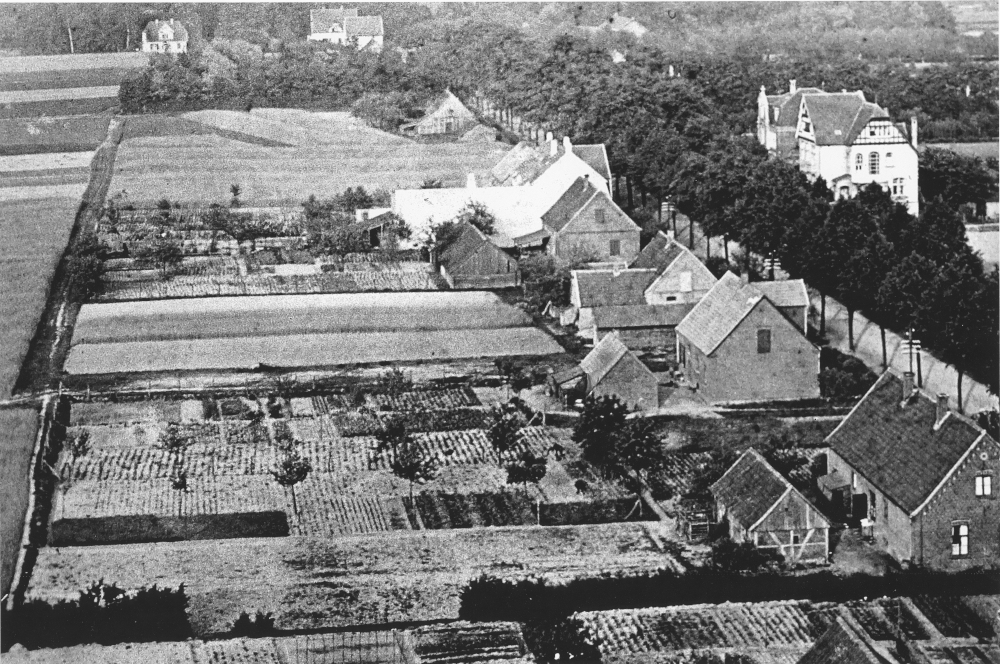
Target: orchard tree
[(601, 421), (164, 255), (504, 432), (479, 216), (412, 463), (291, 470)]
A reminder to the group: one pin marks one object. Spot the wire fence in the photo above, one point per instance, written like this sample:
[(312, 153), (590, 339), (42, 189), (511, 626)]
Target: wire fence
[(381, 647)]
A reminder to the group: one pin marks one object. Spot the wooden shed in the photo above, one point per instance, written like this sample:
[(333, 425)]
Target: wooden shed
[(763, 507), (472, 261)]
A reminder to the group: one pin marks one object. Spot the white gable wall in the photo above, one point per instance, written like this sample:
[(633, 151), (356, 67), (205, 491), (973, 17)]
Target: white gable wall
[(685, 281)]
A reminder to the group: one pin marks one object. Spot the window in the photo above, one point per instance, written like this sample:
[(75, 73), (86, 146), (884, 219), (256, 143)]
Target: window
[(845, 192), (888, 160), (873, 163), (806, 126), (616, 247), (885, 509), (984, 486), (763, 341), (859, 162), (599, 217), (872, 500), (795, 538), (686, 286), (854, 480), (897, 186), (959, 539)]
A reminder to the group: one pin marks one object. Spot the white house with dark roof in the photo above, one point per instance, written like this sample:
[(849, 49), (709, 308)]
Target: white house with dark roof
[(341, 26), (922, 477), (168, 36), (553, 166), (736, 345), (843, 138)]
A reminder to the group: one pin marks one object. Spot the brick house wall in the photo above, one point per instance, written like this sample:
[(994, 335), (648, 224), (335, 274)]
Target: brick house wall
[(584, 235), (670, 287), (955, 503), (737, 372), (632, 382)]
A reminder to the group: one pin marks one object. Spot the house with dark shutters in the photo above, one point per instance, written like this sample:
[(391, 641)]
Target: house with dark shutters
[(921, 477), (609, 369), (585, 222), (472, 261), (736, 345), (759, 505)]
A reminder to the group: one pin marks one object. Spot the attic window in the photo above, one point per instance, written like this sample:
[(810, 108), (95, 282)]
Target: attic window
[(764, 341), (599, 216), (984, 486), (959, 540)]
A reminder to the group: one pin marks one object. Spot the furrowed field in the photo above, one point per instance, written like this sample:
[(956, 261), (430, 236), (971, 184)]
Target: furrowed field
[(327, 153), (34, 233), (52, 134), (17, 439)]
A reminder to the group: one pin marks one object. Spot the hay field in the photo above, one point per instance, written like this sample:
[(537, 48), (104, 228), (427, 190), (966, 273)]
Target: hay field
[(34, 233), (330, 152), (27, 96), (32, 192), (42, 64), (76, 133), (306, 350), (54, 168), (17, 440), (275, 315)]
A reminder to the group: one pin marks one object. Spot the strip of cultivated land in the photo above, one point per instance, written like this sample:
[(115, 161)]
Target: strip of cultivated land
[(269, 316), (36, 64), (307, 350), (19, 136), (26, 96), (17, 440)]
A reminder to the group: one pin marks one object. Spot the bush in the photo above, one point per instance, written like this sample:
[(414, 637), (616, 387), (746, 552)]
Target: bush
[(262, 624), (728, 556)]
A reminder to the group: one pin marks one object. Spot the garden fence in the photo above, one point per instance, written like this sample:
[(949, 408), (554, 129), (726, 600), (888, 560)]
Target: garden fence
[(377, 647)]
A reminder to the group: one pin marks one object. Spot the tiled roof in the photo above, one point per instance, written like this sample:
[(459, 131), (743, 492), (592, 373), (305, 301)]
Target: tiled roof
[(788, 293), (468, 242), (152, 30), (896, 448), (572, 200), (938, 652), (596, 156), (842, 643), (788, 106), (658, 254), (718, 313), (750, 488), (519, 166), (363, 26), (838, 118), (641, 315), (602, 359), (321, 20), (609, 288), (566, 375)]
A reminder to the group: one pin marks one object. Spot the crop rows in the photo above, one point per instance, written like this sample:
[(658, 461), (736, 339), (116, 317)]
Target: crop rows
[(425, 400), (325, 513), (497, 508), (468, 642), (678, 472), (883, 618)]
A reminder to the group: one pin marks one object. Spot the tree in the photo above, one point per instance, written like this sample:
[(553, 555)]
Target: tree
[(84, 268), (728, 556), (173, 439), (411, 462), (394, 382), (602, 418), (955, 179), (479, 216), (527, 468), (235, 190), (164, 255), (504, 432), (292, 469), (637, 450)]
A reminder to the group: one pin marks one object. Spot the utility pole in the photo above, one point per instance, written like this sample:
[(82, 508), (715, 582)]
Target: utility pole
[(69, 31)]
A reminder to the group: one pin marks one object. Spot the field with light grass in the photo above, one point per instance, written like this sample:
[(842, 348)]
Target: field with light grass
[(328, 152), (34, 232), (76, 133)]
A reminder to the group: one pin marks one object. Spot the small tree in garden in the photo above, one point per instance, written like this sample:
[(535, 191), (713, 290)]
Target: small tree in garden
[(78, 445), (636, 450), (504, 432), (235, 190), (164, 255), (514, 376), (528, 468), (479, 216), (602, 419), (292, 469), (394, 382), (413, 463), (173, 439)]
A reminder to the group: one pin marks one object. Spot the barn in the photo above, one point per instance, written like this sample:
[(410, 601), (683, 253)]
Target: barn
[(446, 115), (610, 369), (762, 507), (472, 261)]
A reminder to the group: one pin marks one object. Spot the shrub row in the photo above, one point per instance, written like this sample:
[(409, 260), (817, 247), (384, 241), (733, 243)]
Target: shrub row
[(135, 529)]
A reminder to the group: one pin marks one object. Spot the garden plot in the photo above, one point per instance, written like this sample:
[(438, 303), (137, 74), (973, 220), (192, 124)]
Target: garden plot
[(312, 583), (211, 318), (307, 350)]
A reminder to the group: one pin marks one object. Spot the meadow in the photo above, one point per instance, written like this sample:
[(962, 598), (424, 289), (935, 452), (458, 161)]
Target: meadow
[(17, 440), (34, 232), (219, 317), (328, 152), (75, 133)]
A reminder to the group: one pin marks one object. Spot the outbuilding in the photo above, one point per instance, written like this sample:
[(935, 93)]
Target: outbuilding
[(610, 369)]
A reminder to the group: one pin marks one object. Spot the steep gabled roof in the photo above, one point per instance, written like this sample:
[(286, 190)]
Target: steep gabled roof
[(596, 156), (750, 488), (609, 288), (321, 20), (640, 315), (518, 166), (469, 241), (719, 312), (788, 293), (787, 105), (838, 118), (602, 359), (659, 253), (152, 30), (571, 202), (897, 448)]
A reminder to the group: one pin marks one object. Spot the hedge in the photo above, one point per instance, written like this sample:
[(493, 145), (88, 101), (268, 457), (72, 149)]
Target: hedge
[(148, 528)]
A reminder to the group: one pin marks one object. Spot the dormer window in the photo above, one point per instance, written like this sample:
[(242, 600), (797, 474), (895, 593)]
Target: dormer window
[(806, 125)]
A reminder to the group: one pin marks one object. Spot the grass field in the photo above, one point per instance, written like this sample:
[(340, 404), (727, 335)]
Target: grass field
[(982, 150), (75, 133), (45, 65), (330, 152), (57, 94), (57, 107), (208, 318), (307, 350), (34, 233), (17, 440)]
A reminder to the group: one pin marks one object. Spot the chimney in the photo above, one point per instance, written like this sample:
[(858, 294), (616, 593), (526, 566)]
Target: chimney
[(744, 278), (907, 385), (670, 71), (913, 132), (567, 144), (670, 235), (553, 146), (791, 86), (942, 409), (470, 182)]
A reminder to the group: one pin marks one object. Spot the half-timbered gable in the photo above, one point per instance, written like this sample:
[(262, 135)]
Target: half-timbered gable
[(761, 506)]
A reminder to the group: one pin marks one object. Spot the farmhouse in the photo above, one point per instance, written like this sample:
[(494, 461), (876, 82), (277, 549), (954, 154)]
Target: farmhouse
[(842, 138), (761, 506), (344, 26), (642, 326), (585, 222), (919, 475), (164, 37), (737, 346), (609, 369), (682, 277), (472, 261), (552, 167), (445, 115)]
